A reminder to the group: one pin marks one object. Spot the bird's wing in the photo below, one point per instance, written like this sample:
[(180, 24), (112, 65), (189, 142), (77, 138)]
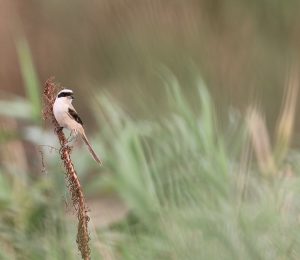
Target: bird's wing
[(73, 114)]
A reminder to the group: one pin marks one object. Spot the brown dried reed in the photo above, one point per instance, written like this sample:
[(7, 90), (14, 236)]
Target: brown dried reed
[(78, 200)]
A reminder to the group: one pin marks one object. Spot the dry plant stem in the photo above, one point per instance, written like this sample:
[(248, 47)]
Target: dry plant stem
[(74, 186)]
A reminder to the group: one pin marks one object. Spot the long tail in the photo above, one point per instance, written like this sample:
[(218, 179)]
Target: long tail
[(84, 138)]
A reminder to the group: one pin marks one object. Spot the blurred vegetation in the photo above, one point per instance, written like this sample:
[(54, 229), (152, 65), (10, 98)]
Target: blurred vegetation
[(241, 48), (184, 183), (167, 85)]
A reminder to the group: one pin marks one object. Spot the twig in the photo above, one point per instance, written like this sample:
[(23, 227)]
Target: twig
[(74, 185)]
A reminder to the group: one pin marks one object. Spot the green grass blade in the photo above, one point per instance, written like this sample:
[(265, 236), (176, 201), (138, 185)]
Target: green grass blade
[(30, 78)]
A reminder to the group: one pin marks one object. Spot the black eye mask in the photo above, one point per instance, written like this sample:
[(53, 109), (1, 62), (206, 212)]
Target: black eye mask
[(65, 94)]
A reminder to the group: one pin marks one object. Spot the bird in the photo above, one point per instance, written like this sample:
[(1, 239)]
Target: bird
[(67, 117)]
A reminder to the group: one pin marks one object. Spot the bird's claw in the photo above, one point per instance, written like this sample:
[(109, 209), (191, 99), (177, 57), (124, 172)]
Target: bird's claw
[(57, 129), (66, 146)]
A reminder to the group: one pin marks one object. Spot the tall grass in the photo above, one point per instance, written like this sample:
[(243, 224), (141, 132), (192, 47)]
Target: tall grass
[(182, 185)]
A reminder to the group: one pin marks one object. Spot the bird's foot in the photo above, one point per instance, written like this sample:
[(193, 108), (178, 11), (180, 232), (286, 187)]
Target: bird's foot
[(57, 129), (66, 146)]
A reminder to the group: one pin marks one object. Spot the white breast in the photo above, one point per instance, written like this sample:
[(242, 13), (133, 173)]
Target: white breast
[(60, 111)]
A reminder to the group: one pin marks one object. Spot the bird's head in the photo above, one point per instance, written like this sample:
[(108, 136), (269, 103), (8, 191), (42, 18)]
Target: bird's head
[(66, 94)]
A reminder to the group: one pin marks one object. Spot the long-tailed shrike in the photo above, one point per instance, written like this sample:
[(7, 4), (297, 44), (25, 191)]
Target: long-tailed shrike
[(66, 116)]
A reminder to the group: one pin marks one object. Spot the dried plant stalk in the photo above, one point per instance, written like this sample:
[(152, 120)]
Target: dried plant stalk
[(49, 95), (286, 121), (261, 141)]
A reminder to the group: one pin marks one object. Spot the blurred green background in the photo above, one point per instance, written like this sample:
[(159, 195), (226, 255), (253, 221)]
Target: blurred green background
[(192, 107)]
